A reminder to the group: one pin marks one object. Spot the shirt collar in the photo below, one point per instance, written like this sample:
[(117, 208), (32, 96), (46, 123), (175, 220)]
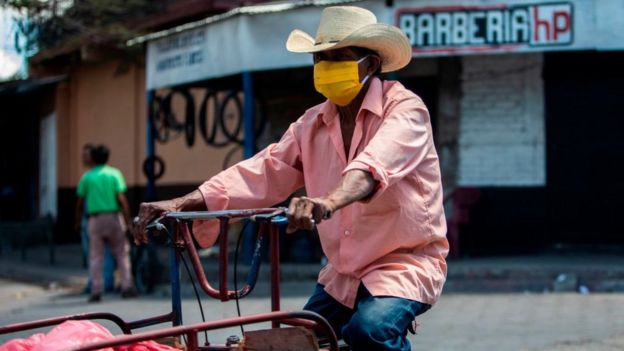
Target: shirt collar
[(373, 102)]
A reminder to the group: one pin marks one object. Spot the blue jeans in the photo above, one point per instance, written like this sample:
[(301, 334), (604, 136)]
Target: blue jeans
[(376, 322)]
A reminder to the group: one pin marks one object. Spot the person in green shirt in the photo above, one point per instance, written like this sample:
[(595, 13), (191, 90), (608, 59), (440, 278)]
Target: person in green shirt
[(81, 227), (102, 189)]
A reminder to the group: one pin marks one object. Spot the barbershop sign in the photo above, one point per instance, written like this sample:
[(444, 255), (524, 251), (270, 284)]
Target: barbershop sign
[(489, 28)]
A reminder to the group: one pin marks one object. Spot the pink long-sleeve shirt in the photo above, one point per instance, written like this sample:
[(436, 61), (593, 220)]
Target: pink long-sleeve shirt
[(395, 241)]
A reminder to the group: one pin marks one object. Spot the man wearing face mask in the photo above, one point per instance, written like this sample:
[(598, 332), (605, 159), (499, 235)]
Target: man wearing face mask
[(367, 161)]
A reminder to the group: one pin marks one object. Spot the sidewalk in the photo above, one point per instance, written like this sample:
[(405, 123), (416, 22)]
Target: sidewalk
[(540, 273), (67, 270)]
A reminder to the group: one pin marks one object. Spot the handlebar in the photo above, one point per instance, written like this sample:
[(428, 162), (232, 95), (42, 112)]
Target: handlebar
[(267, 217)]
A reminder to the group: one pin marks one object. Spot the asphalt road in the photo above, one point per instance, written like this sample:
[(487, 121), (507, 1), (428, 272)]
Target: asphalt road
[(549, 322)]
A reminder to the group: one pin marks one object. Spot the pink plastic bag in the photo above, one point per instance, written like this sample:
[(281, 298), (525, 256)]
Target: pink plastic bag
[(22, 344), (74, 334), (146, 346)]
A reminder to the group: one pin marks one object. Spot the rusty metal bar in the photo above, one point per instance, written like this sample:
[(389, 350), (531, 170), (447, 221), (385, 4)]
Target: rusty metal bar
[(275, 271), (197, 266), (322, 324), (192, 342), (223, 258), (207, 215), (142, 323), (223, 293)]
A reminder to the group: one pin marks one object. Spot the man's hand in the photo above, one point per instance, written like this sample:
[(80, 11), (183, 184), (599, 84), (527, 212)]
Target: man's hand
[(305, 213), (148, 212)]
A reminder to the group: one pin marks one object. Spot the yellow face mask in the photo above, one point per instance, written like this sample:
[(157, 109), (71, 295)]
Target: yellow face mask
[(339, 81)]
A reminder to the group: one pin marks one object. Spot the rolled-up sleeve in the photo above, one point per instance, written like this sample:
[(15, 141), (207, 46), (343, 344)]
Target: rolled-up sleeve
[(400, 144), (267, 178)]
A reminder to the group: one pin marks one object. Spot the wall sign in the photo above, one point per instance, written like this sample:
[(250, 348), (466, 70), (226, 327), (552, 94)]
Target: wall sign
[(254, 41), (179, 51), (452, 29)]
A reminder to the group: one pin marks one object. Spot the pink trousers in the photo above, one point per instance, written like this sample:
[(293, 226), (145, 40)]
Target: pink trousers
[(107, 229)]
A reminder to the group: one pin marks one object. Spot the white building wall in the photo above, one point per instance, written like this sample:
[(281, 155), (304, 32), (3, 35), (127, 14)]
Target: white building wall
[(47, 166), (501, 138)]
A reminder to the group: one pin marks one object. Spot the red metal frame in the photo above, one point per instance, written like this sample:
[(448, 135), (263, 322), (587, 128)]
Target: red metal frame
[(268, 219), (191, 330)]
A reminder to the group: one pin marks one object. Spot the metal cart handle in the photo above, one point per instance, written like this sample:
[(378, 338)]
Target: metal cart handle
[(269, 218)]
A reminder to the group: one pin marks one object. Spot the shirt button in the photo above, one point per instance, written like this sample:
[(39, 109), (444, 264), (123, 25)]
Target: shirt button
[(347, 232)]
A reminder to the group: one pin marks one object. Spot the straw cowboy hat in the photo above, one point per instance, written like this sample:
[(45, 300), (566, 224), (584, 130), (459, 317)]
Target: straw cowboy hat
[(343, 26)]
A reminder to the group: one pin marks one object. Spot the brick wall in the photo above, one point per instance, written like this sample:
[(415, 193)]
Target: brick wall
[(501, 132)]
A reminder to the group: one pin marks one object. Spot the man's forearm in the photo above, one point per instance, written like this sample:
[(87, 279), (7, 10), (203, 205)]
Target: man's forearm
[(355, 185), (193, 201)]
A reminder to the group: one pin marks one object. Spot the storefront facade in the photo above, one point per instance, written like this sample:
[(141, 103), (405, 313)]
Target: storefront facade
[(491, 74), (525, 98)]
